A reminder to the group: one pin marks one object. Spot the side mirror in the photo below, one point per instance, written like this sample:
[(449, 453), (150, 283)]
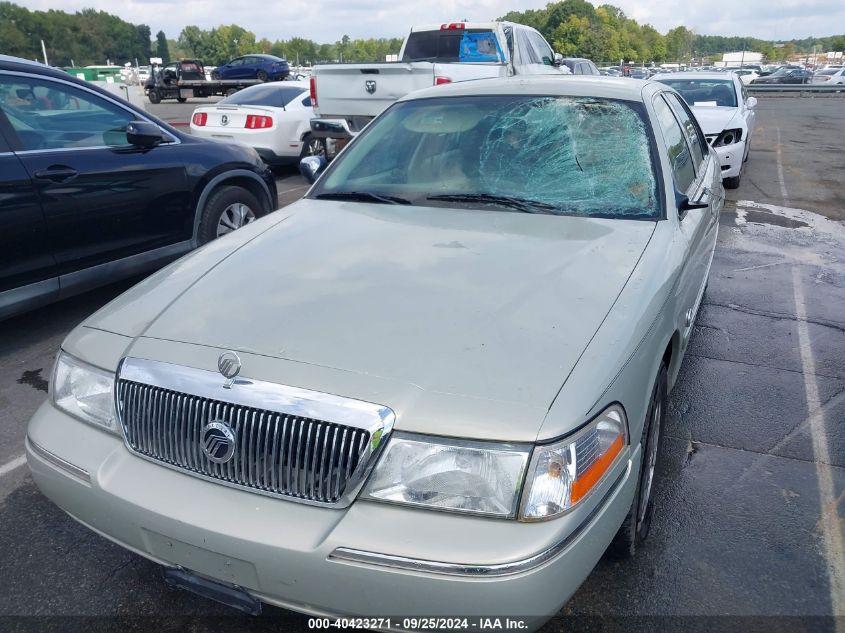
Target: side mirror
[(751, 103), (558, 59), (684, 204), (311, 167), (143, 134)]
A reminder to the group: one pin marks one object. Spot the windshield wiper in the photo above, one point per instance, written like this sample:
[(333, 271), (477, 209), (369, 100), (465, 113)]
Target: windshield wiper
[(363, 196), (522, 205)]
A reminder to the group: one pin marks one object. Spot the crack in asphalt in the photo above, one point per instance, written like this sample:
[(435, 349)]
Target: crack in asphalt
[(778, 315), (741, 362), (697, 444)]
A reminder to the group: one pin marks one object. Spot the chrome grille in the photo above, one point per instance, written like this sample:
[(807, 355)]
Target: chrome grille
[(276, 452)]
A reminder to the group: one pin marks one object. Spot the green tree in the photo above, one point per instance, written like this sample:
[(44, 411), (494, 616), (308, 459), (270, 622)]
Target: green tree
[(162, 48)]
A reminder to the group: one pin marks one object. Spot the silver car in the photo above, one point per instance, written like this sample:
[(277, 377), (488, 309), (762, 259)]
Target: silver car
[(432, 387)]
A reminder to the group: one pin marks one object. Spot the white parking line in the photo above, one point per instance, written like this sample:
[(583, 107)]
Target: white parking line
[(833, 546), (17, 462), (781, 181)]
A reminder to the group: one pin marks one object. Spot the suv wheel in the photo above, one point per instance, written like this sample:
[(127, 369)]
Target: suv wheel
[(155, 96), (636, 525), (228, 209)]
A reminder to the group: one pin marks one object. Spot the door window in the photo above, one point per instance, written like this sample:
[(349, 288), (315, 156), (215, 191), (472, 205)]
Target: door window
[(676, 146), (544, 51), (527, 54), (52, 115), (696, 140)]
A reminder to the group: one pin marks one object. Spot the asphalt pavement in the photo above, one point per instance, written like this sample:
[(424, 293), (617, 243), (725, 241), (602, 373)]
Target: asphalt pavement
[(748, 529)]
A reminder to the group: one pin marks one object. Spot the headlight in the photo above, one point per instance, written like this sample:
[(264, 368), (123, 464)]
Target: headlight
[(728, 137), (84, 391), (445, 474), (563, 474)]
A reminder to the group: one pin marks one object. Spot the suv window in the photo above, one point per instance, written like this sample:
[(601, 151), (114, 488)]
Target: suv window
[(53, 115), (696, 140), (676, 146)]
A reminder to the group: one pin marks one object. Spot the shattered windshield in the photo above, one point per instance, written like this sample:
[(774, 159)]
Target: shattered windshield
[(538, 154)]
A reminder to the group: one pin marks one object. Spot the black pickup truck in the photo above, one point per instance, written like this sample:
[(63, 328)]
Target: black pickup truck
[(183, 79)]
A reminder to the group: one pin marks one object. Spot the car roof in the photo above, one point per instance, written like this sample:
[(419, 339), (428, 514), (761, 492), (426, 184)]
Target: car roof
[(564, 85), (694, 75)]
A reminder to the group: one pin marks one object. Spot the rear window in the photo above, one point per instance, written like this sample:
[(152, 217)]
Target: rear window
[(265, 95), (453, 45)]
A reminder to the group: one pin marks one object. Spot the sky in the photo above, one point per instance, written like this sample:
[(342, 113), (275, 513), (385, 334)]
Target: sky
[(327, 20)]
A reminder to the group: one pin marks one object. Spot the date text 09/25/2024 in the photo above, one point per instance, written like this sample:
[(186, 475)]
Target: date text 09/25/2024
[(420, 624)]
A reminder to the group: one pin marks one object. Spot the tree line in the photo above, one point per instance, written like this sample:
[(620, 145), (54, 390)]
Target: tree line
[(573, 27), (605, 34)]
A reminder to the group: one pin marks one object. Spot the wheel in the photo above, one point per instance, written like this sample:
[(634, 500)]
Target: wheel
[(261, 75), (181, 99), (313, 147), (732, 183), (228, 209), (231, 91), (155, 96), (637, 523), (215, 76)]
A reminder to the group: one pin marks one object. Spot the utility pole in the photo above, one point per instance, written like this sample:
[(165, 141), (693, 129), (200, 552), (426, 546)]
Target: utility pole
[(44, 50)]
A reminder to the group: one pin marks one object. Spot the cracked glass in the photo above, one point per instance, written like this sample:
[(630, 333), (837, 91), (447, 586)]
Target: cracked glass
[(552, 154)]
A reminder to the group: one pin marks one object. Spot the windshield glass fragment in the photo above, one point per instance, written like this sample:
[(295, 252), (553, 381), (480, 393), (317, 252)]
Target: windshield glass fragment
[(565, 155)]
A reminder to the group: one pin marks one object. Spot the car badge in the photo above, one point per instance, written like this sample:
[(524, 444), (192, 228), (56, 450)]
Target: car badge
[(370, 86), (229, 364), (224, 120), (218, 442)]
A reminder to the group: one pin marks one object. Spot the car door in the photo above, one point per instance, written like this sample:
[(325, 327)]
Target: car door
[(103, 199), (535, 56), (241, 68), (27, 268), (747, 113), (231, 69), (692, 170)]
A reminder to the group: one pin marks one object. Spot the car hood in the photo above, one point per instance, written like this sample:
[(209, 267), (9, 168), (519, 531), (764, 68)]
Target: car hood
[(475, 306), (714, 119)]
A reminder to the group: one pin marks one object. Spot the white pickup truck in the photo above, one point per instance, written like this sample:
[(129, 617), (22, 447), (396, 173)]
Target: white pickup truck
[(348, 96)]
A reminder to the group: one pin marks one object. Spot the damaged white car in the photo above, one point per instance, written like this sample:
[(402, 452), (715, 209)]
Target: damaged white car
[(725, 112)]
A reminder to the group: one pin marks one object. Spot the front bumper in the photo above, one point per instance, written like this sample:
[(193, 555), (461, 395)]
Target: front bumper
[(298, 556), (730, 158)]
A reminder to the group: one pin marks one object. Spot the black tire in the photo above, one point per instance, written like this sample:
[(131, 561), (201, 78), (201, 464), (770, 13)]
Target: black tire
[(215, 76), (635, 527), (313, 147), (181, 99), (732, 183), (261, 76), (220, 201), (231, 91), (155, 96)]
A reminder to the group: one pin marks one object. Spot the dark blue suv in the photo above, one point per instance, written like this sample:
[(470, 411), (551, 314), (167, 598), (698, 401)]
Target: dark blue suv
[(94, 189), (261, 67)]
